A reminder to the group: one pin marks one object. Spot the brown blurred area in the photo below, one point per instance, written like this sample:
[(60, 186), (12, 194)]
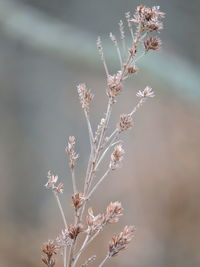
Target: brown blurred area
[(159, 183)]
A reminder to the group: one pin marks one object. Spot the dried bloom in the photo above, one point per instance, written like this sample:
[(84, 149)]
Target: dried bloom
[(49, 249), (132, 69), (114, 84), (52, 180), (147, 92), (74, 231), (119, 242), (63, 239), (71, 152), (94, 223), (148, 18), (153, 43), (51, 184), (116, 157), (85, 96), (89, 261), (113, 212), (125, 123), (59, 188), (78, 200)]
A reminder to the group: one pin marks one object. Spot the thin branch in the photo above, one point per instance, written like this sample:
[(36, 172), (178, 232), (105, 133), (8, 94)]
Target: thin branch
[(142, 100), (81, 250), (98, 183), (104, 260), (61, 209), (65, 256), (73, 181)]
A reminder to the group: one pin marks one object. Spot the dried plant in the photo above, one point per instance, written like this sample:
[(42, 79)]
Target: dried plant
[(147, 22)]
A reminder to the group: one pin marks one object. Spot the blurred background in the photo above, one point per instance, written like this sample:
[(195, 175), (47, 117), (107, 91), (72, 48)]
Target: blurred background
[(46, 48)]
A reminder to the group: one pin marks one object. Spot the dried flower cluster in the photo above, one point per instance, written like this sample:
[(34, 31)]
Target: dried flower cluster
[(120, 241), (51, 184), (85, 96), (125, 123), (49, 249), (116, 157), (85, 224)]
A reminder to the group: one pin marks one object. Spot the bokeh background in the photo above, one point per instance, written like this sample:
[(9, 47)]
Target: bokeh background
[(46, 48)]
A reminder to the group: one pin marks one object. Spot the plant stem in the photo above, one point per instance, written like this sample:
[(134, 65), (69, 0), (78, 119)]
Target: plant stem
[(104, 260), (81, 250), (65, 224), (61, 209), (139, 104), (98, 183), (65, 256), (73, 181)]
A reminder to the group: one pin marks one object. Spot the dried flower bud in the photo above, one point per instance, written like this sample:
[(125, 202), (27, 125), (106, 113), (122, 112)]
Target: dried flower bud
[(148, 18), (94, 223), (116, 157), (52, 180), (114, 84), (71, 152), (85, 96), (132, 69), (74, 231), (63, 239), (113, 212), (51, 184), (147, 92), (78, 200), (153, 43), (59, 188), (125, 123), (49, 249), (120, 241)]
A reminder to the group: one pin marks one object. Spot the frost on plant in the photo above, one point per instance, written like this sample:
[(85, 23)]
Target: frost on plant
[(143, 27)]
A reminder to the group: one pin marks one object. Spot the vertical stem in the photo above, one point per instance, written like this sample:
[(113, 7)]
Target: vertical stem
[(81, 249), (65, 256), (73, 181), (71, 254), (98, 183), (65, 224), (142, 100), (61, 209), (104, 260)]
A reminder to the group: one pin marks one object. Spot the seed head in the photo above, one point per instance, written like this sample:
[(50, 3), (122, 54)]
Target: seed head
[(147, 92), (120, 241), (116, 157), (78, 200), (51, 184), (153, 43), (94, 223), (113, 212), (148, 18), (71, 152), (125, 123), (132, 70), (114, 85), (85, 96), (49, 249), (74, 231)]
